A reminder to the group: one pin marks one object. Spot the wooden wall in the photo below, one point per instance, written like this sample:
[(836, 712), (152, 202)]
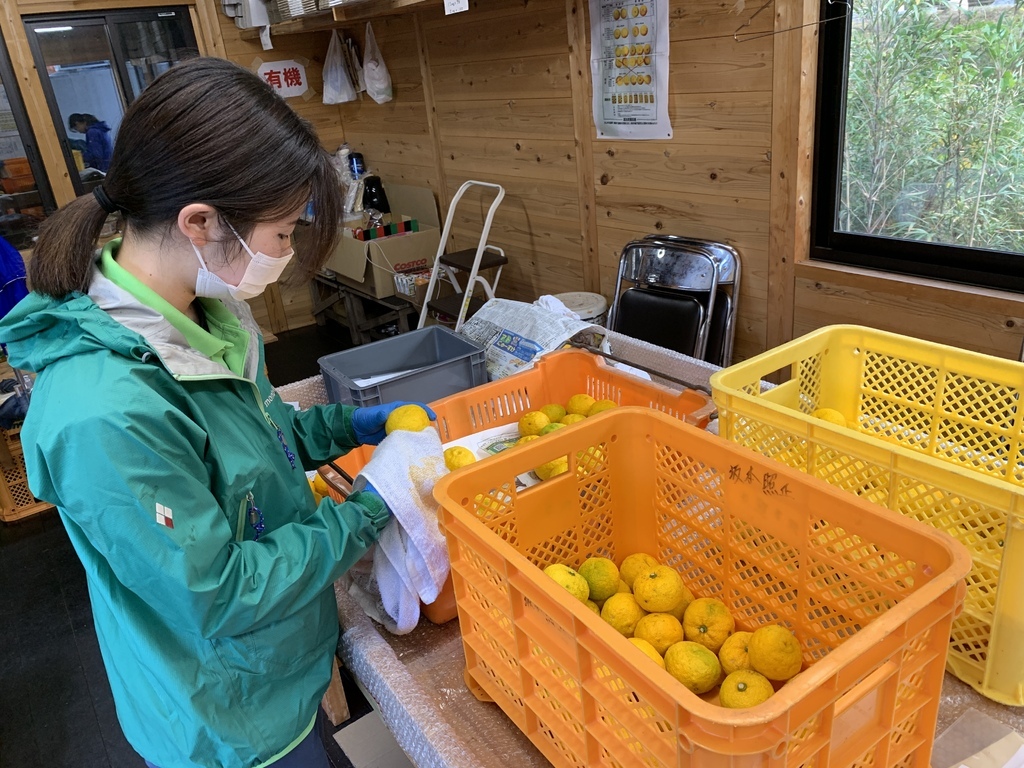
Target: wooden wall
[(712, 180), (502, 93)]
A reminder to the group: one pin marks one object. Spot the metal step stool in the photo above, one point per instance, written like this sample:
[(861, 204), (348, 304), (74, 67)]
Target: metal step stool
[(463, 303)]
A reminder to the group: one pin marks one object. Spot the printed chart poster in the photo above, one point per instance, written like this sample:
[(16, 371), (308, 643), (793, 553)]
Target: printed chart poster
[(629, 66)]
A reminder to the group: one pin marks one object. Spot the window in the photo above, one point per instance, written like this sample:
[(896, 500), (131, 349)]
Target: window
[(96, 64), (919, 163), (25, 195)]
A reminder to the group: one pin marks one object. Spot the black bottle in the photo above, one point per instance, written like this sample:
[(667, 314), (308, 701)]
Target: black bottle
[(373, 195)]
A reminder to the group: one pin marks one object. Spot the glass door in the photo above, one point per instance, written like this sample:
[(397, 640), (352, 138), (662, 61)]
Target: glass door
[(96, 64), (150, 43)]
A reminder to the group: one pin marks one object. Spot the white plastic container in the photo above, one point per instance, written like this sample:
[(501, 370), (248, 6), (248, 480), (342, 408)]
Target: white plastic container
[(591, 307)]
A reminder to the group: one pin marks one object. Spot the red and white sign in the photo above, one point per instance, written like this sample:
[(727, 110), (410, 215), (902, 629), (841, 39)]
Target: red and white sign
[(288, 78)]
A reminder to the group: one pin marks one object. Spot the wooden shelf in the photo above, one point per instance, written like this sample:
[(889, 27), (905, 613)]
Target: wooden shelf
[(315, 23), (368, 9), (359, 10)]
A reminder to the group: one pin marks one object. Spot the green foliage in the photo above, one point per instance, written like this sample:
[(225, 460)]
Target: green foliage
[(934, 140)]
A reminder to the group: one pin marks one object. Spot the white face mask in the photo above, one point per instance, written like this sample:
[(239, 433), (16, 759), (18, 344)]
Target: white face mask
[(261, 271)]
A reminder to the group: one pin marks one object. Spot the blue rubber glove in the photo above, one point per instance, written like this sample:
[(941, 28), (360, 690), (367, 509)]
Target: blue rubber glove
[(368, 423)]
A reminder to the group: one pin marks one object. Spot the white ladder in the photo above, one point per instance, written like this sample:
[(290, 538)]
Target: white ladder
[(463, 303)]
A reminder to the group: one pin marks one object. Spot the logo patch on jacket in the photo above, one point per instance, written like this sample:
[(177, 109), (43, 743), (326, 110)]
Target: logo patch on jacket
[(164, 515)]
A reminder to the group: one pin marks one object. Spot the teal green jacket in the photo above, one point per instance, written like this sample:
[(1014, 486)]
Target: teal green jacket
[(218, 647)]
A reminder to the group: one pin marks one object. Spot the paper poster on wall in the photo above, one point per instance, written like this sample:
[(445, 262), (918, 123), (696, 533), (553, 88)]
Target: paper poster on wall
[(288, 78), (629, 50)]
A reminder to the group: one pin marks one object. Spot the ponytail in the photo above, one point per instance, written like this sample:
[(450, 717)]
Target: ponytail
[(63, 256)]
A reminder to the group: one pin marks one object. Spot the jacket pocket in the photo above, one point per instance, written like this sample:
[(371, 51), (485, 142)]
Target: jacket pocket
[(288, 645)]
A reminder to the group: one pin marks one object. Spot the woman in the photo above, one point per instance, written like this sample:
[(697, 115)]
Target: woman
[(176, 468), (97, 140)]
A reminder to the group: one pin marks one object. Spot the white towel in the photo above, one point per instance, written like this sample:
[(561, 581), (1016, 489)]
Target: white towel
[(410, 560)]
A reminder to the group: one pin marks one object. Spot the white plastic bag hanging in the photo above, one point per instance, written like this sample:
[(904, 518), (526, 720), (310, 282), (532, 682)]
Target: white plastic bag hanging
[(375, 72), (337, 85)]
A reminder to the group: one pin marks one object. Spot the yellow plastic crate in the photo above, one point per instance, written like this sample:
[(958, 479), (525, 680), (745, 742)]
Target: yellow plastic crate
[(869, 595), (934, 433)]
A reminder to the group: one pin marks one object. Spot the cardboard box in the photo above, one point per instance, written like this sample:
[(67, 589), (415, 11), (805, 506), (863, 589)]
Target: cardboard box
[(370, 265)]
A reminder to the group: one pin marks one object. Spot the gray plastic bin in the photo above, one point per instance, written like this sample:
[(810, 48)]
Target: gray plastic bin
[(437, 362)]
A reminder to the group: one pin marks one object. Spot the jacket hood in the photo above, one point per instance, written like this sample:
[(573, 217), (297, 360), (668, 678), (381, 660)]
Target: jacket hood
[(41, 330), (100, 125)]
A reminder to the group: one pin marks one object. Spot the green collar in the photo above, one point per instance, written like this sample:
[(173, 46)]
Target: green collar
[(225, 342)]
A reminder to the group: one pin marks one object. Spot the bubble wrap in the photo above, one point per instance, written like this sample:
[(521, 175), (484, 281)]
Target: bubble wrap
[(416, 681), (307, 392), (958, 697)]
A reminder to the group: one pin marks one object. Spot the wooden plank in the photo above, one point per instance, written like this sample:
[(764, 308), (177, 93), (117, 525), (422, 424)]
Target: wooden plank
[(732, 171), (698, 19), (984, 322), (260, 314), (583, 129), (297, 304), (392, 148), (720, 65), (398, 116), (300, 26), (793, 107), (334, 702), (753, 248), (35, 104), (495, 11), (508, 118), (430, 111), (377, 8), (722, 119), (484, 156), (276, 316), (29, 7), (525, 199), (520, 241), (556, 278), (521, 78), (708, 216), (396, 36), (466, 38), (208, 29), (412, 175)]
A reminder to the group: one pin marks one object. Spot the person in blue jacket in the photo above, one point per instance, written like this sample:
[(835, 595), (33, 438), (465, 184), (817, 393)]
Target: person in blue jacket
[(98, 147), (176, 469)]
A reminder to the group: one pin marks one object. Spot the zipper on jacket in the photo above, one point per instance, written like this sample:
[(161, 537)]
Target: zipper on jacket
[(289, 454), (280, 434), (240, 528)]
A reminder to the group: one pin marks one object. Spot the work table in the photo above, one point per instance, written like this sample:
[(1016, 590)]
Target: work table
[(416, 680)]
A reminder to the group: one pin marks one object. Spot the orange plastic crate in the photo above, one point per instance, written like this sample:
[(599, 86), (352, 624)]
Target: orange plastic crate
[(870, 596), (554, 379)]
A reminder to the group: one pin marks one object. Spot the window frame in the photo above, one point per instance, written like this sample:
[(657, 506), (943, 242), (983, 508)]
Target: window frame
[(988, 268), (25, 132), (108, 19)]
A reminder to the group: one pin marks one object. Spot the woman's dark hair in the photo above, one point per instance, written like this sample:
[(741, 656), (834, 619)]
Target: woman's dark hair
[(78, 117), (206, 131)]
